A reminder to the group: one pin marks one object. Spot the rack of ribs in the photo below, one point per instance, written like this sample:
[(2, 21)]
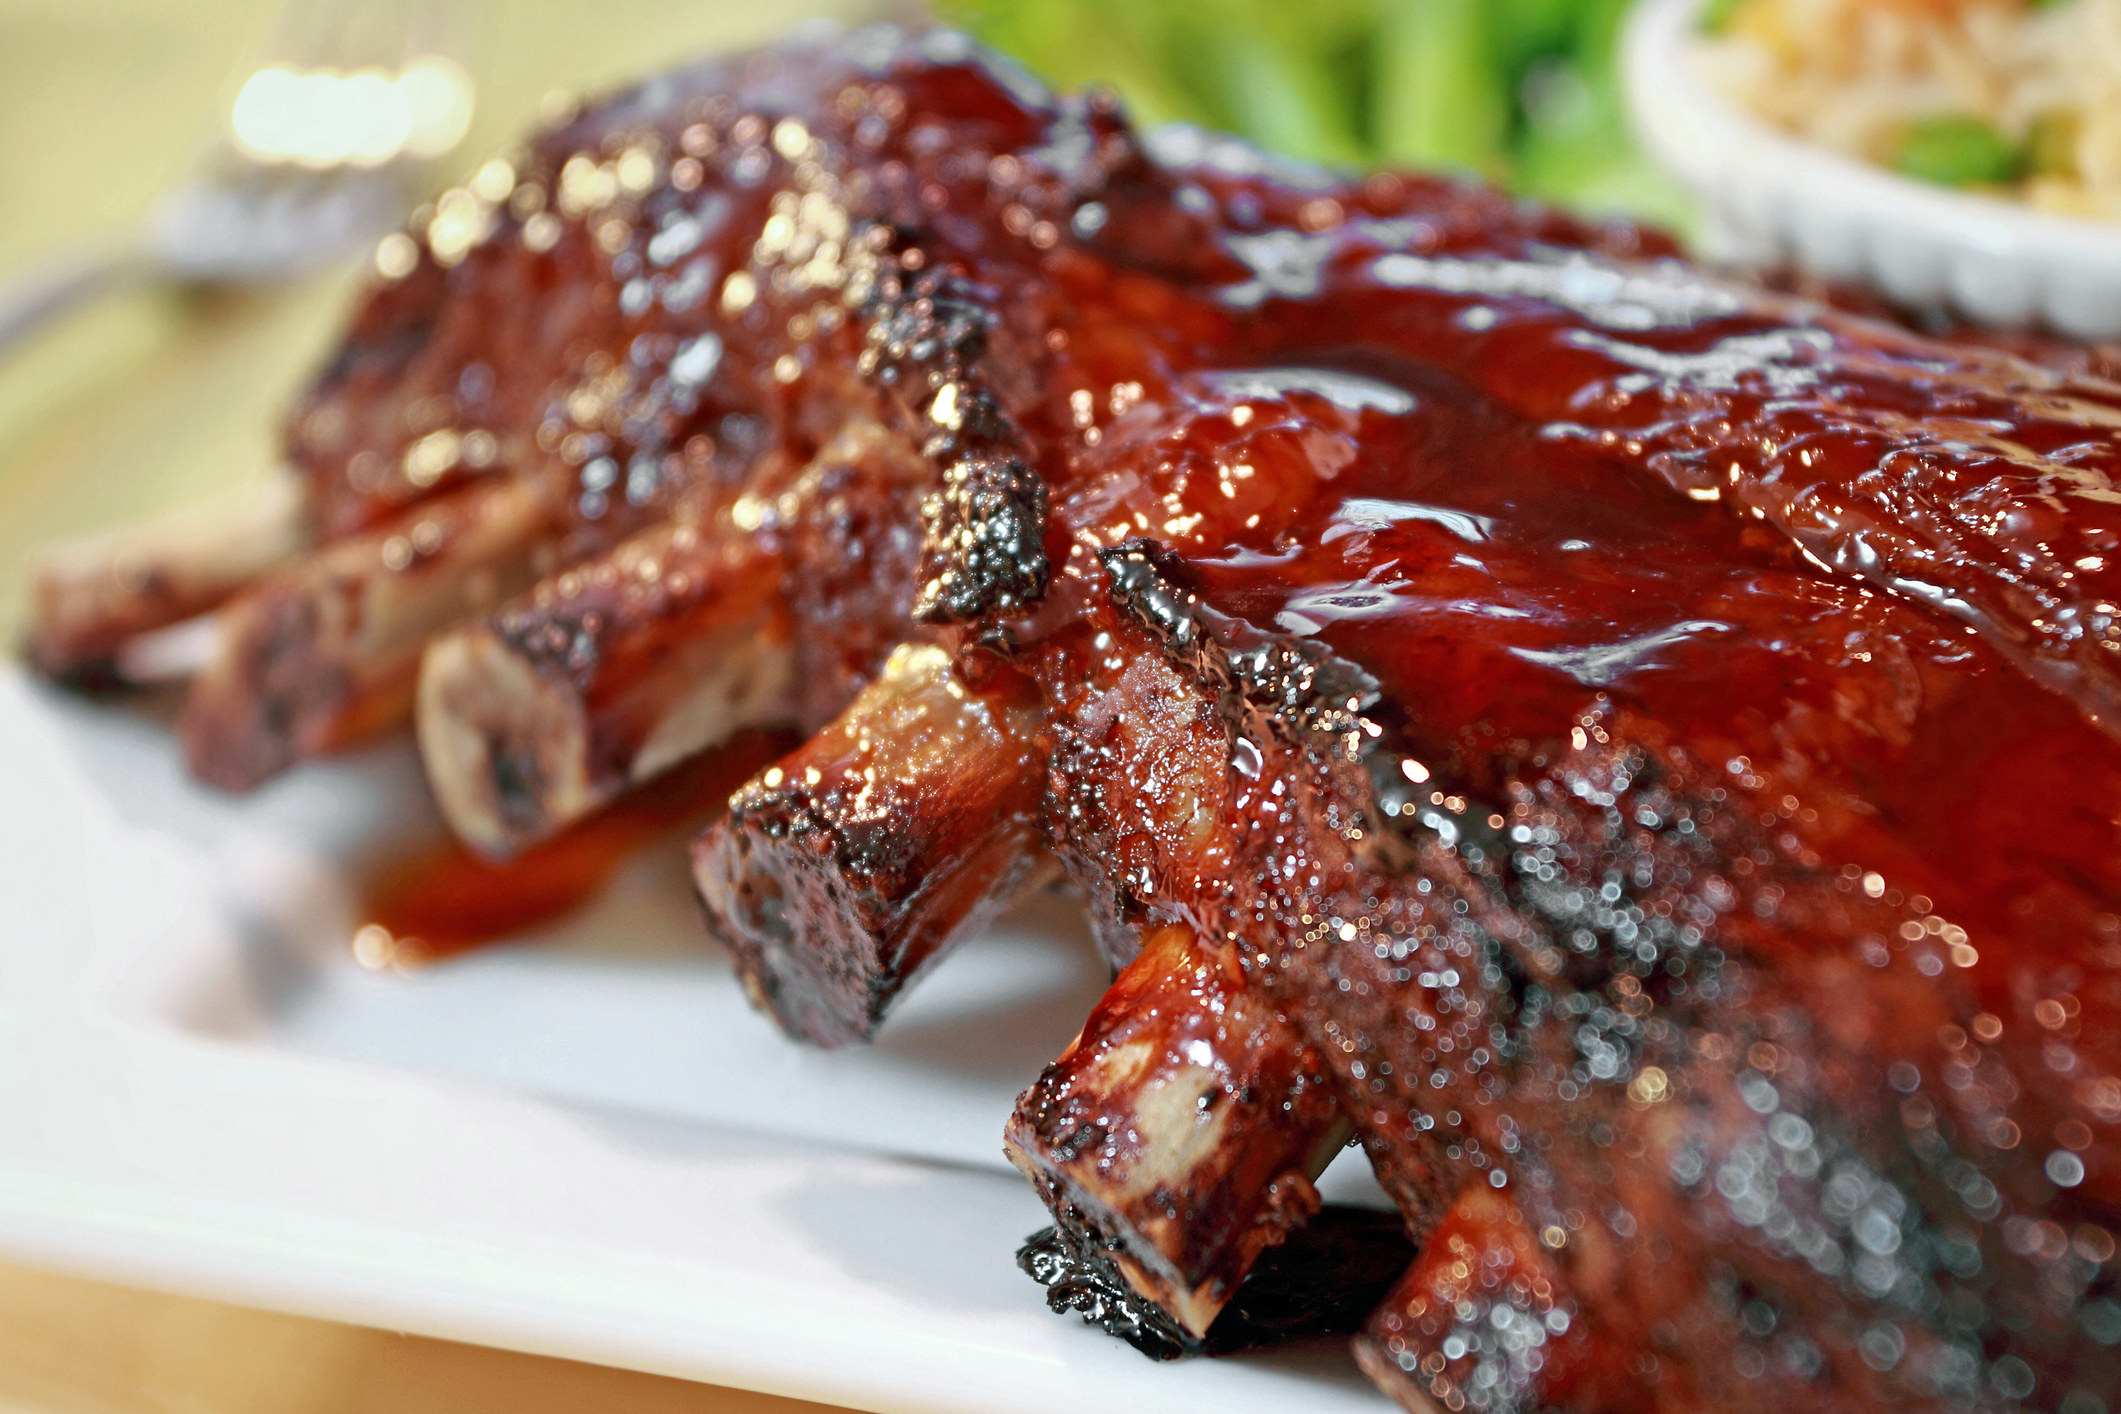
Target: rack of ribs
[(1638, 751)]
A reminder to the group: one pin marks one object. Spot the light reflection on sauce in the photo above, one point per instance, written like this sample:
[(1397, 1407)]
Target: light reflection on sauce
[(447, 900)]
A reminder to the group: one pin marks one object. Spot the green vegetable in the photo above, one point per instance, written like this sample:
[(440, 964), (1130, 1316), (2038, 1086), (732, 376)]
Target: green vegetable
[(1958, 150), (1521, 91), (1573, 146), (1441, 98), (1716, 15)]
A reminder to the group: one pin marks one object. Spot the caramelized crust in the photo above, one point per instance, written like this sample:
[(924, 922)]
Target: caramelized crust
[(1578, 993), (1323, 1280), (657, 305)]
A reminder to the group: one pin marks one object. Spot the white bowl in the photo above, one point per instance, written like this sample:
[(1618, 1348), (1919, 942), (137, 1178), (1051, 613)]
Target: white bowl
[(1771, 199)]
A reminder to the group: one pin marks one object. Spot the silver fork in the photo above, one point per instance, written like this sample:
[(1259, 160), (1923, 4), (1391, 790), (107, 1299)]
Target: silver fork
[(321, 152)]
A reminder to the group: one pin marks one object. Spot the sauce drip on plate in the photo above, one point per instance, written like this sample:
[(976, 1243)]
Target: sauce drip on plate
[(448, 900)]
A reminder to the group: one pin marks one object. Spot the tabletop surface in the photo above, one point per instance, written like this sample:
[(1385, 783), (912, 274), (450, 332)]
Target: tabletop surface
[(79, 1347), (161, 398)]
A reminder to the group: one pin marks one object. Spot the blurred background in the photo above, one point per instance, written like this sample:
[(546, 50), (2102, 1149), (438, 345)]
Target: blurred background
[(162, 396), (1523, 92)]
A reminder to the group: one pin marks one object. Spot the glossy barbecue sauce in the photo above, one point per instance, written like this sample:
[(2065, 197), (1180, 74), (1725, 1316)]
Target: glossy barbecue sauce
[(1858, 581), (1521, 482), (638, 304)]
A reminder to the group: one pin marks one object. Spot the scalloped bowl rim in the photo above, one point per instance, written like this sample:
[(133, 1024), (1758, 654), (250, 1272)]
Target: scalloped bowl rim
[(1768, 196)]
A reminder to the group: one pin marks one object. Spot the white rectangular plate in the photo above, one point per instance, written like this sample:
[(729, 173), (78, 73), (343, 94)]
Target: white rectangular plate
[(590, 1147)]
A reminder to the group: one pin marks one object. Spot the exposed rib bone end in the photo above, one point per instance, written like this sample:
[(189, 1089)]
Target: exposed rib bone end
[(265, 699), (1181, 1132), (88, 599), (506, 748), (606, 675), (325, 652), (900, 828), (515, 753), (1479, 1322)]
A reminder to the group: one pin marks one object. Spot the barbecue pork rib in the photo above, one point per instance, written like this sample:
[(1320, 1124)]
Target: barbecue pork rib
[(1620, 722), (1638, 748)]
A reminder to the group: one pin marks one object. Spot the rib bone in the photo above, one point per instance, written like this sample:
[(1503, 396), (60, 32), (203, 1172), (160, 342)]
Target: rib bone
[(905, 825), (622, 666), (514, 748), (1634, 725), (1181, 1131), (90, 598), (324, 651)]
